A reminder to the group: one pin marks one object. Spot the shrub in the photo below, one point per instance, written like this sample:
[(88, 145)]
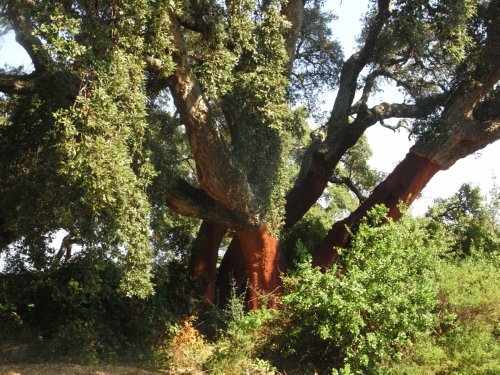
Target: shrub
[(236, 350), (77, 313), (369, 307), (465, 340)]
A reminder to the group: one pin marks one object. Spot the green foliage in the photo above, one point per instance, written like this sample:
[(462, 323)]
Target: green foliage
[(76, 313), (303, 236), (439, 42), (85, 157), (112, 176), (93, 145), (470, 223), (318, 59), (370, 306), (443, 22), (236, 351), (465, 340)]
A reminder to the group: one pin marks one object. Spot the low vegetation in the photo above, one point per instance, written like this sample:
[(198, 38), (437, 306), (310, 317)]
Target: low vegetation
[(403, 298)]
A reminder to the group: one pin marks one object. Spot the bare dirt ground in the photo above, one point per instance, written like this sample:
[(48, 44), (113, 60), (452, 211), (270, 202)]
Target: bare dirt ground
[(71, 369), (15, 360)]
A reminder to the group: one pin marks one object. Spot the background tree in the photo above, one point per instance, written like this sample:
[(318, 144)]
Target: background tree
[(469, 220)]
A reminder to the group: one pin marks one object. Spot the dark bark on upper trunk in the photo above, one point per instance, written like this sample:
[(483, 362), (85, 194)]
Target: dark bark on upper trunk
[(302, 197), (216, 172), (463, 135)]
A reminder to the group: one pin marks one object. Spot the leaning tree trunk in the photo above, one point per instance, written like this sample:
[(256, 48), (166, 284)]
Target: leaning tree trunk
[(262, 257), (402, 185), (467, 124)]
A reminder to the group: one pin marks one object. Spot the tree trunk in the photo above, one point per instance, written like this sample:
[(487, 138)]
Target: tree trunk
[(204, 258), (402, 185), (232, 274), (262, 261), (300, 199)]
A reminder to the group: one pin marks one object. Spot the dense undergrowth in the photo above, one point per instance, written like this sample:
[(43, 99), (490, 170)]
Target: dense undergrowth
[(398, 301)]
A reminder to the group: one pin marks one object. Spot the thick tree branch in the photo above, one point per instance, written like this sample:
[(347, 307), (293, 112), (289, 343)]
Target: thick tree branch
[(459, 133), (370, 83), (354, 65), (322, 157), (465, 139), (293, 10), (19, 13), (15, 84), (384, 111), (216, 173), (404, 184), (185, 199)]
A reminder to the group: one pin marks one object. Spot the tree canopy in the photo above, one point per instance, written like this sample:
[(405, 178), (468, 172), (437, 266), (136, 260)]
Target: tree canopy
[(137, 109)]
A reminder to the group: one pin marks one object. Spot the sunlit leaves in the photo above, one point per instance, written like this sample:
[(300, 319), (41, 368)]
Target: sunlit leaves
[(471, 225), (368, 307)]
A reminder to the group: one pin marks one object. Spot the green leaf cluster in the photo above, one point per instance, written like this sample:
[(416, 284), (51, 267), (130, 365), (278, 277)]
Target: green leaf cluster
[(465, 340), (369, 307), (470, 222)]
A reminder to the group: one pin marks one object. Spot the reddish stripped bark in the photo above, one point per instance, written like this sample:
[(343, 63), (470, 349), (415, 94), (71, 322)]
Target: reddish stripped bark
[(204, 258), (403, 184), (262, 260), (300, 199), (232, 273), (232, 269)]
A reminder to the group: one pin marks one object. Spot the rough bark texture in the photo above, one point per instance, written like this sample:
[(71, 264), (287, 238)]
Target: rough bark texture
[(215, 170), (338, 135), (14, 84), (262, 260), (462, 135), (185, 199), (403, 184), (20, 14), (293, 10), (457, 135), (204, 259)]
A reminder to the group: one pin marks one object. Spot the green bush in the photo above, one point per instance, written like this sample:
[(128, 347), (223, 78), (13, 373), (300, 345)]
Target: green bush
[(237, 349), (371, 305), (77, 313), (465, 340)]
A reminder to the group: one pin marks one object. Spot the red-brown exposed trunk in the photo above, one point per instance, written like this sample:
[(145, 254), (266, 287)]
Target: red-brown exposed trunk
[(232, 269), (262, 259), (204, 259), (402, 185), (303, 196), (232, 273)]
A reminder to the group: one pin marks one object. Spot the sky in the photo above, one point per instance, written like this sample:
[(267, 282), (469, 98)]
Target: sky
[(388, 147)]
